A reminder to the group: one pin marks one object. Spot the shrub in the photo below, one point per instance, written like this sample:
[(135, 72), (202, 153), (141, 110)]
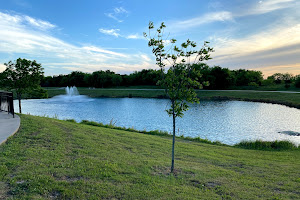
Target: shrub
[(70, 120), (155, 132), (253, 84), (297, 82), (268, 82), (266, 145), (287, 86)]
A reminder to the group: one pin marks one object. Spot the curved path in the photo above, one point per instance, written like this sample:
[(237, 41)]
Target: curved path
[(8, 125)]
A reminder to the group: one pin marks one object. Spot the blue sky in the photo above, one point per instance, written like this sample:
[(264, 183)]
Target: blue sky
[(98, 35)]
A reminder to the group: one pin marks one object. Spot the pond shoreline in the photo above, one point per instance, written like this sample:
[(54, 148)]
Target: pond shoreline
[(148, 114), (282, 98), (288, 104)]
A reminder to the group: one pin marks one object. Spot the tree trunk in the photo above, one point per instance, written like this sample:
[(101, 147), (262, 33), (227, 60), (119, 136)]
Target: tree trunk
[(19, 98), (173, 143)]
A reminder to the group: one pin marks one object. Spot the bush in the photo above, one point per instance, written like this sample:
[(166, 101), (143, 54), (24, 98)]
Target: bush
[(268, 82), (297, 82), (287, 86), (155, 132), (253, 84), (70, 120), (264, 145)]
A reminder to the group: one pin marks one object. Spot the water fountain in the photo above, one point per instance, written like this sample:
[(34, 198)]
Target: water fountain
[(72, 95), (71, 91)]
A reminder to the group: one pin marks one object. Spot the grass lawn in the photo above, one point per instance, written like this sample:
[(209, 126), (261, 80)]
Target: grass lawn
[(276, 87), (53, 159)]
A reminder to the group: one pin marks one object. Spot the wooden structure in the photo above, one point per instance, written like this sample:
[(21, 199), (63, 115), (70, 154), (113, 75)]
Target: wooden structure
[(7, 102)]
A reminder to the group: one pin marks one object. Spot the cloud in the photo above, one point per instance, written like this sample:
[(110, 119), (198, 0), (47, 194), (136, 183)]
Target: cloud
[(289, 68), (266, 6), (134, 63), (18, 38), (277, 45), (39, 23), (113, 32), (99, 50), (258, 8), (120, 10), (267, 40), (203, 19), (2, 68), (20, 20), (263, 7), (117, 14), (134, 36)]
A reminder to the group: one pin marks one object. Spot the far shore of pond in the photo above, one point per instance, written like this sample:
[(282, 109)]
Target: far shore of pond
[(287, 98)]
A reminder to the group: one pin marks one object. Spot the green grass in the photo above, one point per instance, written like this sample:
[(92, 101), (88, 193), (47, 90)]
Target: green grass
[(53, 159), (275, 87), (288, 99)]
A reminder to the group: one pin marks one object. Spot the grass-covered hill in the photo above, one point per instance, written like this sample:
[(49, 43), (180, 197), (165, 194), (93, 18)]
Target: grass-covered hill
[(53, 159)]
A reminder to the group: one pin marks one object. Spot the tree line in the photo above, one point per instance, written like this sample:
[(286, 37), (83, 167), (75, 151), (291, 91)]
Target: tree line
[(217, 77)]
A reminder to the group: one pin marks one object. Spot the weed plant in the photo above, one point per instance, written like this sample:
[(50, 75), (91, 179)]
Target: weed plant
[(267, 146)]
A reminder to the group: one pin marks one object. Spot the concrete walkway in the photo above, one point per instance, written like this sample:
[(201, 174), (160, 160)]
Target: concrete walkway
[(8, 125)]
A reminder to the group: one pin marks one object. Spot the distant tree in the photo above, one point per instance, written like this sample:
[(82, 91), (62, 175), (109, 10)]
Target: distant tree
[(178, 80), (46, 81), (87, 79), (297, 81), (222, 78), (268, 82), (23, 76), (116, 79), (280, 77), (76, 78), (244, 77)]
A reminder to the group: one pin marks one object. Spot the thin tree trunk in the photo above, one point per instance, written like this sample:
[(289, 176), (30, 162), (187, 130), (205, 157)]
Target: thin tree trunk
[(173, 143), (20, 109)]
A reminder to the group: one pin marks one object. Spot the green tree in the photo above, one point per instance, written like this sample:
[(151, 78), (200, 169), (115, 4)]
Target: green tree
[(23, 76), (178, 80), (280, 77), (297, 81), (116, 79), (222, 78)]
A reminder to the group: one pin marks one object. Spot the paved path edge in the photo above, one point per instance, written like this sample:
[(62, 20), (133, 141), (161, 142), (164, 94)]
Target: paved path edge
[(15, 131)]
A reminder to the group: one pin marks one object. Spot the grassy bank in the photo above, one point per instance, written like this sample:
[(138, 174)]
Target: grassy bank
[(289, 99), (50, 159), (275, 87)]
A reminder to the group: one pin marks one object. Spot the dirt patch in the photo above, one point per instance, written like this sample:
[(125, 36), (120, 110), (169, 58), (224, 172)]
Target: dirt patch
[(4, 190), (64, 128), (202, 185), (197, 184), (165, 171), (68, 178), (54, 195), (212, 184), (35, 133), (129, 149)]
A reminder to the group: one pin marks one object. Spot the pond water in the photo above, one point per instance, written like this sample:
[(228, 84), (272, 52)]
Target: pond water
[(226, 121)]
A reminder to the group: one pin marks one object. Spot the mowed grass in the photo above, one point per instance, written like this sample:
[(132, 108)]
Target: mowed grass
[(289, 99), (53, 159)]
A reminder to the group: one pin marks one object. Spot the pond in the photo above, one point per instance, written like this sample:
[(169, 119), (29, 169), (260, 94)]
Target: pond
[(226, 121)]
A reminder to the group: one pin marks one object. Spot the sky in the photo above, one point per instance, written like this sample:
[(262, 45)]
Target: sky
[(91, 35)]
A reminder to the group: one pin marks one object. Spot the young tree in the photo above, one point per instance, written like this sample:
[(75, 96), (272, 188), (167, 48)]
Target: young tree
[(180, 80), (22, 75), (297, 81)]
